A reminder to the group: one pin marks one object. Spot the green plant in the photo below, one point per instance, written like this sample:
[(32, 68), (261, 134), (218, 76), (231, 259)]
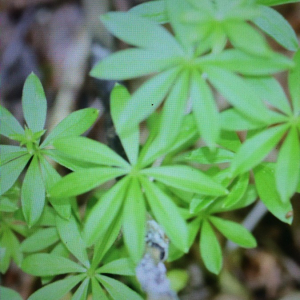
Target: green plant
[(214, 48)]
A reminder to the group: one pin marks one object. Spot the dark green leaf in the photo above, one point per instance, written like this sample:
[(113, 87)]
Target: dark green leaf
[(273, 24), (118, 290), (82, 181), (167, 214), (34, 103), (71, 237), (44, 264), (104, 212), (293, 83), (75, 124), (234, 232), (12, 170), (40, 240), (255, 149), (9, 124), (134, 221), (186, 178), (210, 249), (89, 150), (288, 166), (33, 193), (265, 182), (58, 289), (122, 266)]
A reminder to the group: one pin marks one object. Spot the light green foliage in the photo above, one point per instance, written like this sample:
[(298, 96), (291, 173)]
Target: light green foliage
[(212, 47)]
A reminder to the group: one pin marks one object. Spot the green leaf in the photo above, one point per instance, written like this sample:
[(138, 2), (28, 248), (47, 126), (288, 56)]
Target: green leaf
[(234, 232), (174, 107), (204, 155), (265, 182), (10, 294), (134, 221), (118, 100), (40, 240), (89, 150), (34, 103), (255, 149), (245, 37), (51, 177), (154, 10), (33, 193), (237, 191), (275, 2), (118, 290), (230, 140), (146, 99), (8, 153), (122, 266), (186, 178), (273, 24), (142, 62), (293, 83), (71, 237), (44, 264), (141, 32), (238, 93), (210, 249), (81, 292), (12, 171), (97, 291), (205, 110), (104, 212), (73, 125), (167, 214), (57, 289), (288, 165), (9, 124), (82, 181)]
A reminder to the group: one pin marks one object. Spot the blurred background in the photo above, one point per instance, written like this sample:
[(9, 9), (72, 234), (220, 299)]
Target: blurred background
[(60, 41)]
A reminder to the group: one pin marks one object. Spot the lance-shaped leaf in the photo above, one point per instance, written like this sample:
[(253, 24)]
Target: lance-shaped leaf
[(8, 153), (141, 32), (255, 149), (44, 264), (118, 290), (97, 291), (134, 221), (288, 165), (130, 141), (71, 237), (234, 232), (9, 124), (186, 178), (82, 181), (167, 214), (205, 110), (294, 85), (210, 249), (40, 240), (58, 289), (73, 125), (146, 99), (34, 103), (274, 2), (238, 93), (81, 292), (88, 150), (142, 62), (154, 10), (265, 182), (104, 212), (33, 193), (173, 109), (122, 266), (11, 171), (247, 64), (272, 23)]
